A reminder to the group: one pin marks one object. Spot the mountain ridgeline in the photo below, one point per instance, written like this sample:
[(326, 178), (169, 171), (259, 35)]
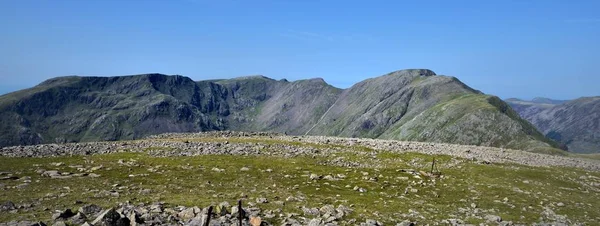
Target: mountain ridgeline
[(414, 104), (575, 124)]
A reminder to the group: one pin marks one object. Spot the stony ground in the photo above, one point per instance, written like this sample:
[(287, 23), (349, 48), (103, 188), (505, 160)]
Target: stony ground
[(289, 180)]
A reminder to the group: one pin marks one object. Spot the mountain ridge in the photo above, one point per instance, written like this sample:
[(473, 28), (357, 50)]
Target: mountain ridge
[(412, 104), (575, 123)]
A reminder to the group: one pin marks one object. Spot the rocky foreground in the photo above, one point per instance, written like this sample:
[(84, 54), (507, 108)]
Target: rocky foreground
[(158, 214), (352, 182)]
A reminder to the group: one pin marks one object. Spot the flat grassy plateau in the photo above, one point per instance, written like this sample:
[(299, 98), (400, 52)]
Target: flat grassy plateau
[(385, 185)]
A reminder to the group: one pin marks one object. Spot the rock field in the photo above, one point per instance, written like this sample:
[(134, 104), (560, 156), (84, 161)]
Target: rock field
[(192, 148)]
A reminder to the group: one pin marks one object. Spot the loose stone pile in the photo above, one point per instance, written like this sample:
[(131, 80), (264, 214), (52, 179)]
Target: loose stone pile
[(159, 214)]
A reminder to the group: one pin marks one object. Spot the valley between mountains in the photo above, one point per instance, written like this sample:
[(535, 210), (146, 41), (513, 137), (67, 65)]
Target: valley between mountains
[(575, 124)]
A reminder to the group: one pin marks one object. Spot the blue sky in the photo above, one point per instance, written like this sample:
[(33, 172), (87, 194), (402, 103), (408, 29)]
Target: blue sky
[(501, 47)]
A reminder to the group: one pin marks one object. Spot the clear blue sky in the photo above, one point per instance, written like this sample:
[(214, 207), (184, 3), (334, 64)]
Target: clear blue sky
[(507, 48)]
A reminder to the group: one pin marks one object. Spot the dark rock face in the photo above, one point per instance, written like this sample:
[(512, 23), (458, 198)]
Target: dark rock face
[(575, 124), (411, 104)]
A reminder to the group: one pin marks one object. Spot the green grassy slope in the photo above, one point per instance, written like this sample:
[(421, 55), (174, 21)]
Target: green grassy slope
[(421, 106), (474, 119)]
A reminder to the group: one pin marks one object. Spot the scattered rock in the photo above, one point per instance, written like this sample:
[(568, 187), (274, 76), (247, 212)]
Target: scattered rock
[(218, 170), (492, 218), (189, 213), (314, 176), (235, 212), (262, 200), (291, 199), (371, 222), (453, 222), (59, 223), (329, 177), (253, 211), (63, 215), (405, 223), (9, 178), (359, 189), (327, 211), (156, 208), (222, 209), (134, 218), (311, 211), (7, 206), (51, 173), (109, 217), (314, 222), (78, 219)]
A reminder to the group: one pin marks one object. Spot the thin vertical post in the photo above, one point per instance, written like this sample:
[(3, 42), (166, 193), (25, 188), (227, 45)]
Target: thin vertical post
[(240, 210), (210, 208)]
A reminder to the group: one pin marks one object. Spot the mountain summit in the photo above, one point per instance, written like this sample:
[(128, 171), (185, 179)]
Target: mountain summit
[(414, 104)]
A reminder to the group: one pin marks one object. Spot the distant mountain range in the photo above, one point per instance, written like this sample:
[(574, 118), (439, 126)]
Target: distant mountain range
[(414, 104), (575, 124)]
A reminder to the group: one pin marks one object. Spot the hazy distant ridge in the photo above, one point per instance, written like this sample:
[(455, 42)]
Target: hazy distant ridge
[(575, 124)]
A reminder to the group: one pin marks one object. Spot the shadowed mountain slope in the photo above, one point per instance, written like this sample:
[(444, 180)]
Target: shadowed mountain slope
[(411, 104), (575, 124)]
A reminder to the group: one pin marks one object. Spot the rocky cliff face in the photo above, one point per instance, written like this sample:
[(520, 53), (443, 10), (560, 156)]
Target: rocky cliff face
[(406, 105), (575, 124), (101, 108)]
